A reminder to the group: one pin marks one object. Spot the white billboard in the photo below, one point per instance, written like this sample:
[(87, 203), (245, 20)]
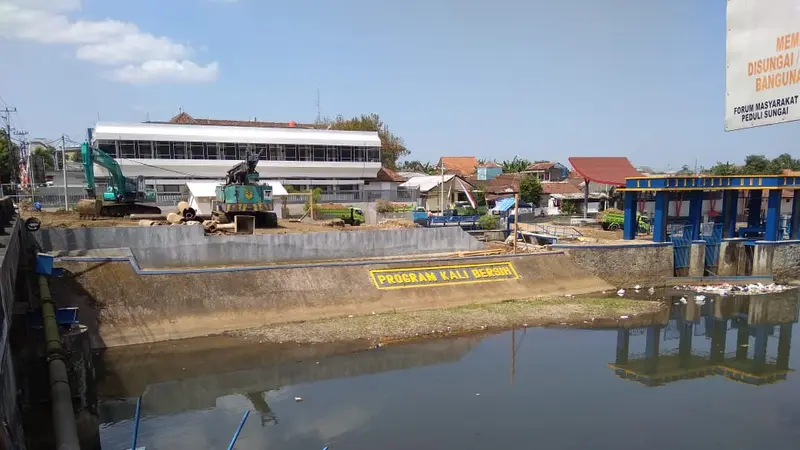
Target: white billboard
[(762, 76)]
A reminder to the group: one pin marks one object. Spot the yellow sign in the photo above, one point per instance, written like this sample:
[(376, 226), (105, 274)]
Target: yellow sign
[(443, 275), (248, 194)]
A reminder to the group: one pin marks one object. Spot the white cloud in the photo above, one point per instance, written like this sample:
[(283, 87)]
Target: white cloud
[(156, 71), (147, 58)]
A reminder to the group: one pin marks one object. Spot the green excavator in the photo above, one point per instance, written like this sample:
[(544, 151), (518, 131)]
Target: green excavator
[(122, 197)]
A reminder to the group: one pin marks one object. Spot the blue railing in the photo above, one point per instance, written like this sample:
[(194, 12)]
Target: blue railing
[(681, 238)]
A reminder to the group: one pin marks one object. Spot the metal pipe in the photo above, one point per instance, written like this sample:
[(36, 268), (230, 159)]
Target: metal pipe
[(238, 430), (66, 432), (136, 423)]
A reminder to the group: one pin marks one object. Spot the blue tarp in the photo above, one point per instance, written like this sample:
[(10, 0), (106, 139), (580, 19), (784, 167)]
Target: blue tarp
[(507, 203)]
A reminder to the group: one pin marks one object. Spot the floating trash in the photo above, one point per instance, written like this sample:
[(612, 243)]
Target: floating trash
[(730, 289)]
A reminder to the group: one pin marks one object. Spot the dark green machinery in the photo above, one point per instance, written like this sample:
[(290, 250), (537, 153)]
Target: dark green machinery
[(244, 195), (123, 194)]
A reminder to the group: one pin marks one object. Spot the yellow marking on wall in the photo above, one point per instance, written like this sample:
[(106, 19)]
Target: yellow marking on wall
[(412, 277)]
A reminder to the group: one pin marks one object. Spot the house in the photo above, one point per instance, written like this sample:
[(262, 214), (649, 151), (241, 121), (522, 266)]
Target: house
[(548, 171), (435, 190), (488, 170), (386, 186), (498, 187), (555, 194), (462, 166)]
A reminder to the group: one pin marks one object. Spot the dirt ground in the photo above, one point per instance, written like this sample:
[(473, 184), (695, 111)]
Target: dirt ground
[(70, 219), (393, 327)]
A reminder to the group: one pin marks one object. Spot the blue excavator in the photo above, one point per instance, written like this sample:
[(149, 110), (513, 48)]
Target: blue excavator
[(123, 194)]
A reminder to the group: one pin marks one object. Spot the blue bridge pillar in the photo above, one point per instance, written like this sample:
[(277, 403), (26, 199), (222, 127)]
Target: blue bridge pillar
[(695, 213), (773, 215), (784, 343), (730, 209), (794, 224), (754, 209), (631, 224), (659, 224)]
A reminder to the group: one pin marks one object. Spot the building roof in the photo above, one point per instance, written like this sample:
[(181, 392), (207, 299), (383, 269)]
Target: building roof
[(232, 134), (408, 174), (389, 175), (604, 169), (559, 187), (186, 119), (539, 166), (460, 165), (429, 182)]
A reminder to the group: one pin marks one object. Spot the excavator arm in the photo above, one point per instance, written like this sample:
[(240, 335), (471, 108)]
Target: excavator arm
[(121, 187)]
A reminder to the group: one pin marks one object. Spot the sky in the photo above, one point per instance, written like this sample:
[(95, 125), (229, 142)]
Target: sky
[(535, 79)]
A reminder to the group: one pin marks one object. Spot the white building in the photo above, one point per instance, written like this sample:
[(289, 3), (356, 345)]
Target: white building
[(169, 154)]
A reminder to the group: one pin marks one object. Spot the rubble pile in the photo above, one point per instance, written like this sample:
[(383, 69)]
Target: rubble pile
[(730, 289)]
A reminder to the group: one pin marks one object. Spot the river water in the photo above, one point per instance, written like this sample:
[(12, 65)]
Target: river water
[(713, 376)]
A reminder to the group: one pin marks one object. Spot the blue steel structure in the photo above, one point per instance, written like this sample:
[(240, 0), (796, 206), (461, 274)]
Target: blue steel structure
[(730, 186)]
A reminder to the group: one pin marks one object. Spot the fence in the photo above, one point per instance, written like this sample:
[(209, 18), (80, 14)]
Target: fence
[(57, 201), (358, 197)]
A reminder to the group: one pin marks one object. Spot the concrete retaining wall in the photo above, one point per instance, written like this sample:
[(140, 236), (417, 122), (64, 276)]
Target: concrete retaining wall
[(625, 265), (71, 239), (183, 246), (780, 259), (11, 252), (325, 246), (122, 307)]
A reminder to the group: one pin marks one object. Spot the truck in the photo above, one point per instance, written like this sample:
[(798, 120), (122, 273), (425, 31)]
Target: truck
[(615, 221), (243, 194), (348, 214), (122, 197)]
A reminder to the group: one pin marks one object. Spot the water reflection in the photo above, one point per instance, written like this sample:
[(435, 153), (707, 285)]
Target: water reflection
[(729, 337)]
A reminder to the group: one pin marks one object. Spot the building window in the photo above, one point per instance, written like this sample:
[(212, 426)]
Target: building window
[(179, 149), (109, 147), (304, 153), (162, 150), (168, 188), (291, 152), (332, 153), (127, 149), (196, 150), (346, 153), (212, 150), (359, 154), (319, 153), (276, 152), (228, 151), (373, 154), (145, 150)]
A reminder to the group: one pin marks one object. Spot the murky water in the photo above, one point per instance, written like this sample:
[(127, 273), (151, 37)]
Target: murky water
[(719, 375)]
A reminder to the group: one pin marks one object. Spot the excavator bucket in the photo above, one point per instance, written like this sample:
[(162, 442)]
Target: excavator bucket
[(89, 208)]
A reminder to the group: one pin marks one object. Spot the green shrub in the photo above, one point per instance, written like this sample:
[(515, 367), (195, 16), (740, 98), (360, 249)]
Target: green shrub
[(489, 222)]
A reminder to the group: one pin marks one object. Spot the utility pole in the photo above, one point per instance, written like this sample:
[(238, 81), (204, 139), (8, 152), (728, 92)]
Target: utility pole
[(64, 169)]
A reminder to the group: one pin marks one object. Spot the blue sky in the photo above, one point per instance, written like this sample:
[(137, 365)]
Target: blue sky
[(539, 79)]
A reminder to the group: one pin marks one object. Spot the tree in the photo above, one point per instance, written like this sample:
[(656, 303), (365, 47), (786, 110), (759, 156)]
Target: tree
[(392, 146), (479, 196), (724, 169), (417, 166), (9, 159), (530, 189), (45, 155), (757, 165), (515, 165)]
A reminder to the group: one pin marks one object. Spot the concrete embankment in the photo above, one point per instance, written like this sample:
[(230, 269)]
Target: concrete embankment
[(124, 307), (187, 246), (624, 265)]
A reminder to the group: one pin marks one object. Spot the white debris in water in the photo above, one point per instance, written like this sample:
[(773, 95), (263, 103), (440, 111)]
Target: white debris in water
[(700, 299), (623, 317), (683, 300), (621, 292), (298, 399), (730, 289), (651, 291), (637, 287)]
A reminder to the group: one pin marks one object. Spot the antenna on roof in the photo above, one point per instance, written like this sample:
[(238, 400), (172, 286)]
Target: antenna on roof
[(319, 111)]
